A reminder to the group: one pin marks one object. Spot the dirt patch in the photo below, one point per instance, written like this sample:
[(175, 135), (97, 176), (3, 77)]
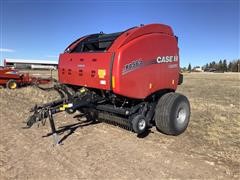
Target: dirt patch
[(209, 149)]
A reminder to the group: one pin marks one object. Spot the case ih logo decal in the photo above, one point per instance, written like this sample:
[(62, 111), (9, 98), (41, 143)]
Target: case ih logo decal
[(167, 59), (139, 63)]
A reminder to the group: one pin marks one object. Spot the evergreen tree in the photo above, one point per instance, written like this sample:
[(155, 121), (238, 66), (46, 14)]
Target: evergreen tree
[(230, 66), (210, 65), (214, 65), (189, 67), (224, 65), (207, 66), (220, 66)]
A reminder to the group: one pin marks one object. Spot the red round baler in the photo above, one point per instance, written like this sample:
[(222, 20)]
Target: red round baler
[(128, 78)]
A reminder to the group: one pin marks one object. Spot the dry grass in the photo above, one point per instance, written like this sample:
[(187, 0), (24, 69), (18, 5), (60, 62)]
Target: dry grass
[(215, 120)]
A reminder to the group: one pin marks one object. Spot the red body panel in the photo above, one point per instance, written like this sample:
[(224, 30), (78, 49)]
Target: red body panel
[(140, 61), (7, 73), (151, 76), (82, 69)]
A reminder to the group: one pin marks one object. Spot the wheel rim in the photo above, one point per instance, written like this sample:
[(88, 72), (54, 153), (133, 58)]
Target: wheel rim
[(181, 116), (13, 85), (142, 124)]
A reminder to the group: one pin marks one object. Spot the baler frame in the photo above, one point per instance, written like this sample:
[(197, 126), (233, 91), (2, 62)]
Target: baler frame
[(72, 101)]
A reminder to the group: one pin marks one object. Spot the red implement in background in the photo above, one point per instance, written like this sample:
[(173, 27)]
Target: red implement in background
[(12, 78)]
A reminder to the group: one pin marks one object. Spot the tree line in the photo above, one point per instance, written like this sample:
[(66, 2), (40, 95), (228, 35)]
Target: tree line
[(220, 66)]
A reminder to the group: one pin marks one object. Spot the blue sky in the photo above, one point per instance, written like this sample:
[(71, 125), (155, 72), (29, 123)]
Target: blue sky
[(41, 29)]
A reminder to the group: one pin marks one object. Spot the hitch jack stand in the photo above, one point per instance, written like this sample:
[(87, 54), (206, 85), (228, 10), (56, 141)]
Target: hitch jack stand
[(54, 132)]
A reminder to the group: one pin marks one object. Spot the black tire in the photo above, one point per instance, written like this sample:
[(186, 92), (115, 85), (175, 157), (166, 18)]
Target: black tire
[(12, 84), (139, 124), (172, 113)]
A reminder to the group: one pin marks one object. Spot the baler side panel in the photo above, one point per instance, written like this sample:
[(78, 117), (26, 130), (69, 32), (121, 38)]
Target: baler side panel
[(147, 76), (85, 69)]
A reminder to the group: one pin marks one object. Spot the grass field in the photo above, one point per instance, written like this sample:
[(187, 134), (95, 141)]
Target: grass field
[(215, 120), (209, 149)]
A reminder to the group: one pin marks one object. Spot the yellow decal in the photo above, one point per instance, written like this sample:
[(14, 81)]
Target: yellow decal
[(101, 73), (113, 81), (64, 106), (82, 90), (61, 108)]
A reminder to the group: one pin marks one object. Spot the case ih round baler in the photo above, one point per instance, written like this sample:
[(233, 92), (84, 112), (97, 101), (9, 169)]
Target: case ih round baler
[(126, 78)]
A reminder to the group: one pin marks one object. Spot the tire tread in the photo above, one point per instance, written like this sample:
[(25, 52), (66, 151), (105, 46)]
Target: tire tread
[(163, 111)]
